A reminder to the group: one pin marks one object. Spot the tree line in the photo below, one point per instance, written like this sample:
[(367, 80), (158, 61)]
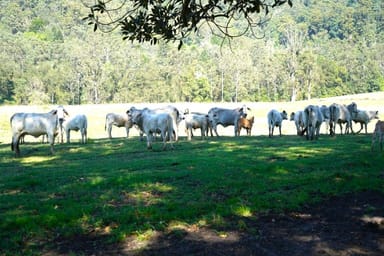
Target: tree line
[(50, 55)]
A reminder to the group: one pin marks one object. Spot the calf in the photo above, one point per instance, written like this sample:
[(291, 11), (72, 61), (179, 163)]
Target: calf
[(151, 123), (34, 124), (195, 121), (118, 121), (275, 119), (245, 123), (76, 123), (364, 117), (378, 132)]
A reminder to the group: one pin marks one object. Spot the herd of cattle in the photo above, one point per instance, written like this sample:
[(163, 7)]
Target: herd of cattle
[(165, 121)]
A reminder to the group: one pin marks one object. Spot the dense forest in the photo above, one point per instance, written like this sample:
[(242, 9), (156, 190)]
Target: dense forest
[(50, 55)]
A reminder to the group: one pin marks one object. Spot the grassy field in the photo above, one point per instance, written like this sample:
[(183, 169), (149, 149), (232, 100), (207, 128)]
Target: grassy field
[(115, 189)]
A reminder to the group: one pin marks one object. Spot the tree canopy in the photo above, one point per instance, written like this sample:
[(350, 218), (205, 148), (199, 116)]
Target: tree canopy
[(173, 20), (50, 55)]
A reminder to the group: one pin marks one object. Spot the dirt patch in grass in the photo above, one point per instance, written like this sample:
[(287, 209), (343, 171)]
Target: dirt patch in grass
[(352, 224)]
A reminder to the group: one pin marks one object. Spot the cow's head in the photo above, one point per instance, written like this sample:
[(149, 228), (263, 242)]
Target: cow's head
[(292, 117), (376, 114), (244, 111), (284, 115), (352, 107), (53, 112)]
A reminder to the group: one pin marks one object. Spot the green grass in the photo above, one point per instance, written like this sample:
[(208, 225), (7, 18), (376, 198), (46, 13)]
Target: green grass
[(116, 188)]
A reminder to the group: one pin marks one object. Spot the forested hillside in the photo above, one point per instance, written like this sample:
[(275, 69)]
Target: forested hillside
[(49, 55)]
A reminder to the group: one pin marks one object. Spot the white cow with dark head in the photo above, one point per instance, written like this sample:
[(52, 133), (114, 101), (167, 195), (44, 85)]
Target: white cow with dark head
[(275, 119)]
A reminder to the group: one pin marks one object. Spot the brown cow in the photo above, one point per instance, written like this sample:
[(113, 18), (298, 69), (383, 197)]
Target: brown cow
[(246, 124)]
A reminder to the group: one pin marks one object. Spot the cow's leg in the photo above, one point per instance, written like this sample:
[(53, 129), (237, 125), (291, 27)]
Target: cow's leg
[(61, 131), (127, 130), (350, 126), (164, 135), (83, 135), (110, 131), (373, 139), (15, 144), (189, 133), (237, 131), (215, 130), (68, 135), (202, 132), (175, 132), (51, 140), (149, 140), (280, 130), (210, 129), (381, 140)]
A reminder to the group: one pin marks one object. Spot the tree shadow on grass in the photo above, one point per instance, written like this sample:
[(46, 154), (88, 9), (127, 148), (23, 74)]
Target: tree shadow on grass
[(132, 186)]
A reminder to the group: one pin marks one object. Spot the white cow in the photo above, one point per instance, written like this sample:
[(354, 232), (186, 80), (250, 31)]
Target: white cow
[(300, 122), (364, 117), (275, 119), (226, 117), (118, 121), (326, 116), (62, 113), (151, 123), (172, 111), (34, 124), (314, 119), (76, 123), (378, 132), (196, 121), (340, 114)]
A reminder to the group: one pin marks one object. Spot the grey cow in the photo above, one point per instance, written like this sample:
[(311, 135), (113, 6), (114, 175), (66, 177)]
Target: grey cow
[(112, 119), (226, 117), (35, 124), (275, 119)]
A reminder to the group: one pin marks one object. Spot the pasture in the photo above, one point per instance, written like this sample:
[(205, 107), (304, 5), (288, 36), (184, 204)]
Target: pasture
[(117, 194)]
